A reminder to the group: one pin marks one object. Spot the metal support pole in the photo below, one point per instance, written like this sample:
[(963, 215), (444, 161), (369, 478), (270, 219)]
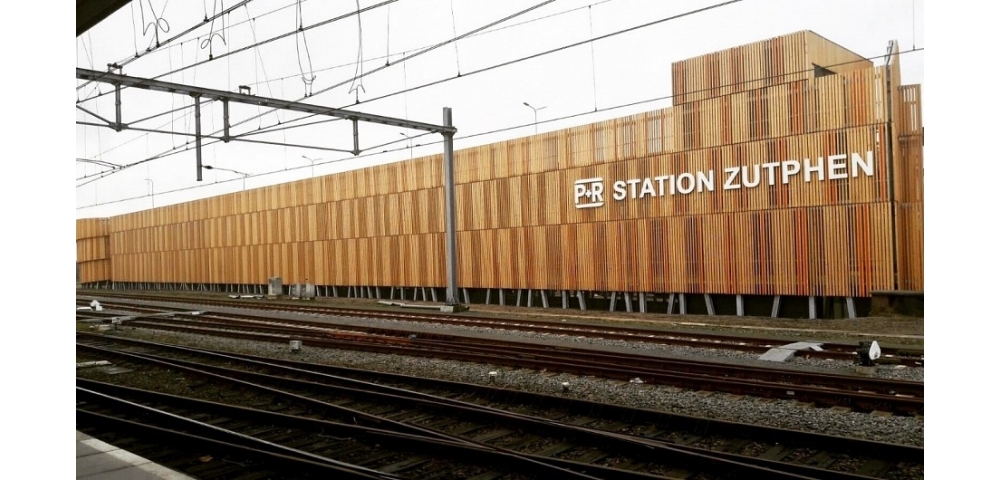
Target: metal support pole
[(670, 304), (739, 305), (684, 309), (545, 298), (118, 107), (614, 298), (197, 133), (357, 149), (465, 294), (565, 299), (225, 120), (709, 305), (628, 301), (776, 306), (488, 292), (812, 307), (503, 301), (583, 301), (518, 297), (451, 248), (642, 302), (530, 297), (851, 312)]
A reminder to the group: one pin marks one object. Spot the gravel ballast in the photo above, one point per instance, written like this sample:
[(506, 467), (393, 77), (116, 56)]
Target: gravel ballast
[(775, 413)]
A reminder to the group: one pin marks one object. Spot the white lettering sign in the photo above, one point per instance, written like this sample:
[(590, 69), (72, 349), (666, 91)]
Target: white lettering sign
[(589, 192)]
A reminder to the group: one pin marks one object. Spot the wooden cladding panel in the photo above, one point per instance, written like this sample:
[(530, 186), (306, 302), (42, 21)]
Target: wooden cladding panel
[(91, 227), (94, 271), (547, 198), (910, 245), (826, 251), (780, 60), (768, 62), (413, 212), (88, 249), (364, 261), (909, 117), (826, 54), (518, 227), (909, 169)]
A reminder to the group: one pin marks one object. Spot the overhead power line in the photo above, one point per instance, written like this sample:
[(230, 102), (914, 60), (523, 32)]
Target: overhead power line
[(433, 47), (490, 132), (282, 125)]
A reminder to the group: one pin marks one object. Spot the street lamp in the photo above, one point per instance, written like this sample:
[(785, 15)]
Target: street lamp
[(410, 141), (526, 104), (152, 201), (312, 162), (245, 175)]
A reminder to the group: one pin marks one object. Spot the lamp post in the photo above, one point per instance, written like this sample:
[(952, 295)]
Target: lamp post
[(526, 104), (152, 201), (312, 163), (410, 142), (245, 175)]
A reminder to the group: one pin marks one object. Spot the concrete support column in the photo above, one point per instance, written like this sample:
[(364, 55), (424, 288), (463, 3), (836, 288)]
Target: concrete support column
[(684, 309), (851, 311), (812, 307), (642, 302), (670, 304), (776, 306), (628, 301), (739, 305), (583, 301), (614, 299), (488, 292), (465, 295), (545, 298), (709, 305), (565, 299)]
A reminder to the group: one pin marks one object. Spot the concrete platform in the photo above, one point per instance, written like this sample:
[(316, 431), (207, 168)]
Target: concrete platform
[(97, 460)]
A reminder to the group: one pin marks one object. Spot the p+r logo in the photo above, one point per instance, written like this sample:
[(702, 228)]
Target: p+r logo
[(588, 192)]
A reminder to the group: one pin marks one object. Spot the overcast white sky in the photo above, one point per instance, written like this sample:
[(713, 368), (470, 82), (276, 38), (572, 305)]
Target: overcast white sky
[(621, 70)]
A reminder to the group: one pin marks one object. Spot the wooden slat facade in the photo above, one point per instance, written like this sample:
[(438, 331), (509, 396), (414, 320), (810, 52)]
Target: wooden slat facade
[(92, 250), (518, 225)]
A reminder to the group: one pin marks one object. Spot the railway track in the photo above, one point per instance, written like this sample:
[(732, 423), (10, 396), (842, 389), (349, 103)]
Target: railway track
[(552, 436), (825, 390), (831, 350)]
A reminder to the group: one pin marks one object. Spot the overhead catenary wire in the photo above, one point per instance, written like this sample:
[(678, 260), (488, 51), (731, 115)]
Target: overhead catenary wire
[(388, 55), (605, 109), (359, 63), (496, 28), (421, 52), (211, 30), (490, 132), (306, 80), (518, 60)]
